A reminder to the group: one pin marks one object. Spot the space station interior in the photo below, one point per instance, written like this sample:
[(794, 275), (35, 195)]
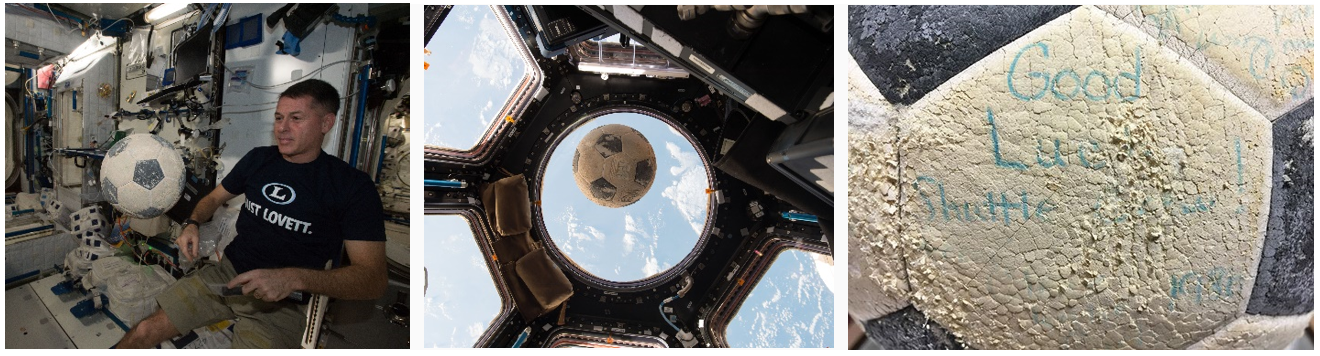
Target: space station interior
[(750, 87), (91, 219)]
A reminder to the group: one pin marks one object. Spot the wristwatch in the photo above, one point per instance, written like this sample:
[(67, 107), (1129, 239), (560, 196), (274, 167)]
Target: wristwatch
[(189, 221)]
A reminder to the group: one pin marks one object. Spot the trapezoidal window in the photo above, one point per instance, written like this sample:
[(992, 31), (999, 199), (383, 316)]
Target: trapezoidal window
[(477, 74), (461, 299), (792, 305)]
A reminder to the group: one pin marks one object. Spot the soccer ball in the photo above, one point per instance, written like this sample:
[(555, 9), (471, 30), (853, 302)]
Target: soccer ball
[(142, 176), (614, 165)]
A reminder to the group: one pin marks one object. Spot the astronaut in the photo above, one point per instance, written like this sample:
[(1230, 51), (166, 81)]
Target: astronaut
[(303, 206)]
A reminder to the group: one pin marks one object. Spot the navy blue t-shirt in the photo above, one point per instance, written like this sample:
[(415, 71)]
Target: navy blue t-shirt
[(299, 214)]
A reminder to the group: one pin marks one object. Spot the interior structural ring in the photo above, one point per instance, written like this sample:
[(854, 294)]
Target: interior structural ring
[(570, 121)]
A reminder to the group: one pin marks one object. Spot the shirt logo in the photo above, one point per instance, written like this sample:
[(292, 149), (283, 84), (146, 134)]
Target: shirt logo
[(278, 193)]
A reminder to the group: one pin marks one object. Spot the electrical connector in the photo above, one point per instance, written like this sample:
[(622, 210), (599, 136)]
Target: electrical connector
[(686, 338), (685, 286)]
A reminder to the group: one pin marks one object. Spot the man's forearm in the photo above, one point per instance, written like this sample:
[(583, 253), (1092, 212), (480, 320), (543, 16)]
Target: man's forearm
[(207, 206), (357, 282)]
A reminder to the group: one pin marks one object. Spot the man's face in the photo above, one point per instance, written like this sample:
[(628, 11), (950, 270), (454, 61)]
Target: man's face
[(300, 127)]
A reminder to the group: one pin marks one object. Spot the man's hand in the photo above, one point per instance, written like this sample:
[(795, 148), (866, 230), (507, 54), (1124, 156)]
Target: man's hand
[(189, 242), (364, 279), (271, 285)]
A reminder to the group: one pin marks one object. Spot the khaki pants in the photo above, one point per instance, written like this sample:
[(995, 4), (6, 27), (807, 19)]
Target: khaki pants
[(189, 304)]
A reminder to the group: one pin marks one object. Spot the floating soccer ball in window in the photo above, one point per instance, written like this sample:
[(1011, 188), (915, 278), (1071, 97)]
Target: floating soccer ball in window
[(142, 176), (614, 165)]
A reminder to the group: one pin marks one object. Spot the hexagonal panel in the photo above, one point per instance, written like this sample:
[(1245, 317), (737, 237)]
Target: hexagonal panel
[(1083, 187), (1264, 54), (877, 274)]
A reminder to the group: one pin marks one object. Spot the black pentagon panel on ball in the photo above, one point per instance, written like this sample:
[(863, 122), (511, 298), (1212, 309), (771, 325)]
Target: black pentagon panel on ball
[(147, 173), (1285, 279), (151, 212), (908, 51), (602, 189), (909, 329), (162, 141), (609, 145), (645, 172), (109, 191)]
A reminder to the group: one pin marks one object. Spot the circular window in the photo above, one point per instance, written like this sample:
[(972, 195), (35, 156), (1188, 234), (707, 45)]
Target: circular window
[(639, 240)]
